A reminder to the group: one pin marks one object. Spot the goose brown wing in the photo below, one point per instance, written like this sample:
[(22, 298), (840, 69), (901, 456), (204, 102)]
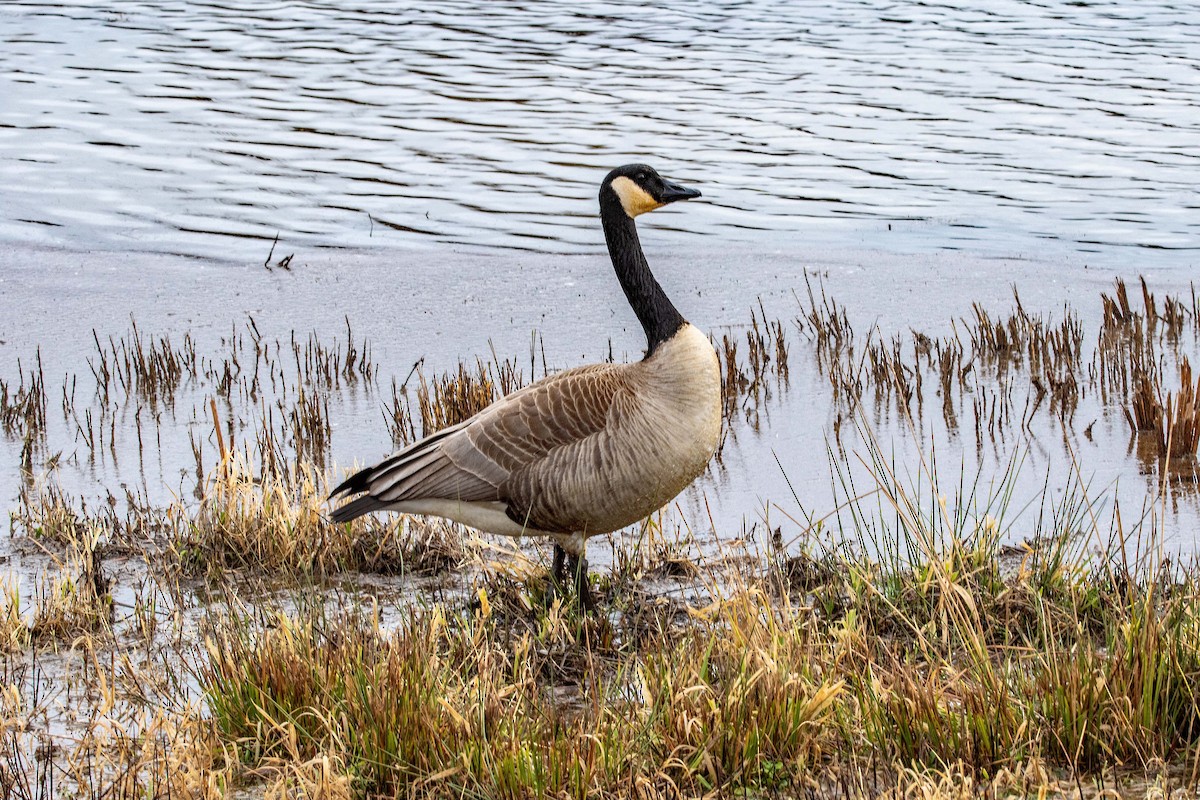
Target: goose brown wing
[(509, 441), (486, 457)]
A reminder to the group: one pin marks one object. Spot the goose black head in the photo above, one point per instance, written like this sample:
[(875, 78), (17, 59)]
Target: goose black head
[(638, 188)]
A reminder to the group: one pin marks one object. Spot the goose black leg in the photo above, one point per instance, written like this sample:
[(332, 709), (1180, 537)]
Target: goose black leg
[(582, 590), (560, 556), (577, 566), (556, 574)]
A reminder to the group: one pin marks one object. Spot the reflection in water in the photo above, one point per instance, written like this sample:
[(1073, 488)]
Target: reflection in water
[(209, 128)]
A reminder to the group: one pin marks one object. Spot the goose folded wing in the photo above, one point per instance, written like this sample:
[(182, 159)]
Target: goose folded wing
[(477, 460)]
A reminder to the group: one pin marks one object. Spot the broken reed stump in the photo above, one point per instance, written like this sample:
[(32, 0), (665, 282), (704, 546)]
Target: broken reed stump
[(1174, 420)]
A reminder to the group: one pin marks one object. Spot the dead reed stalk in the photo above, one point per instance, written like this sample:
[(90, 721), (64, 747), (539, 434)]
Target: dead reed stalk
[(1172, 418)]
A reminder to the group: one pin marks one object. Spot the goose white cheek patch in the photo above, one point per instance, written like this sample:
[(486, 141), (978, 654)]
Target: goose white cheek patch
[(634, 199)]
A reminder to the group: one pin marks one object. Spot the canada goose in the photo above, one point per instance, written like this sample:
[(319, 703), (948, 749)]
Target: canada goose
[(582, 452)]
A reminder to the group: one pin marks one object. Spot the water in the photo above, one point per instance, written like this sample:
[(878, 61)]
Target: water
[(1058, 128), (433, 170), (463, 306)]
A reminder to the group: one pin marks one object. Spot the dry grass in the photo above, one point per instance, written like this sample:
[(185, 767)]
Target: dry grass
[(73, 600), (49, 517), (14, 628), (446, 706), (152, 754), (949, 654), (991, 375), (982, 367), (23, 412), (277, 524), (449, 398)]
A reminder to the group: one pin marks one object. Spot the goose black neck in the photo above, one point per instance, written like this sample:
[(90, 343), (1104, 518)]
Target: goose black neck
[(654, 310)]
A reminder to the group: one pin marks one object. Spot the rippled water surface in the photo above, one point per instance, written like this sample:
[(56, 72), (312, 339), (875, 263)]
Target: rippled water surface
[(1069, 128)]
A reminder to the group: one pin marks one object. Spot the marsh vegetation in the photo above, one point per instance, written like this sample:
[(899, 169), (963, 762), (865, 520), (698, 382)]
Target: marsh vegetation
[(931, 632)]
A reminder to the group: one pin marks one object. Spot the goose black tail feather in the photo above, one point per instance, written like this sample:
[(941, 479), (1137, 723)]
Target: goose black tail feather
[(361, 480), (355, 483), (356, 508)]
